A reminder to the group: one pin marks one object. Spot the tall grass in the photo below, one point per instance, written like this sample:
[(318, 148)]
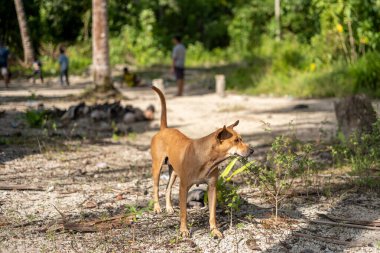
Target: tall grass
[(293, 69)]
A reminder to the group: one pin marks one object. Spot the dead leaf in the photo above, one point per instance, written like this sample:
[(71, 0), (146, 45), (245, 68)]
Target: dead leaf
[(252, 244), (119, 196), (90, 204)]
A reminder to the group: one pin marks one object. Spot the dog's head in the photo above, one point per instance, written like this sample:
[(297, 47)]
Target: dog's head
[(230, 143)]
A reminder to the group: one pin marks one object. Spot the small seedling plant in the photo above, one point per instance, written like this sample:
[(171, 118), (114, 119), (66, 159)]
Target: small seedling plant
[(286, 159)]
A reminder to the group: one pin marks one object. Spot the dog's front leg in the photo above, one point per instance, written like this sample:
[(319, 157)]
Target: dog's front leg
[(212, 204), (182, 208)]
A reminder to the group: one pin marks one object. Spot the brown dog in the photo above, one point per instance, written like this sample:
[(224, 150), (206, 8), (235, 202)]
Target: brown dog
[(194, 161)]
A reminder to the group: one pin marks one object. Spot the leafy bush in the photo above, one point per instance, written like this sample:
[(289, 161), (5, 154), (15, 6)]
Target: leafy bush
[(360, 152), (289, 55), (35, 118), (137, 45), (366, 73), (286, 159)]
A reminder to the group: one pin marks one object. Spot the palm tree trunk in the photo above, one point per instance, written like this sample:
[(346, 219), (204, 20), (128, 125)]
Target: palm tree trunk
[(277, 16), (100, 50), (26, 41)]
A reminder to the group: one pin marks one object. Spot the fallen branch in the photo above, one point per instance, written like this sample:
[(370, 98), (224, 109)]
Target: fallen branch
[(20, 187), (329, 240), (27, 224), (344, 224), (374, 223), (97, 225)]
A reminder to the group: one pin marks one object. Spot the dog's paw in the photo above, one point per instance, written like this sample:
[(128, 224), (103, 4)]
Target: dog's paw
[(185, 233), (157, 208), (215, 233), (169, 209)]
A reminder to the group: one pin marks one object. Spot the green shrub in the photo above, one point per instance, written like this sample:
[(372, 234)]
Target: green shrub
[(366, 74), (287, 159), (35, 118), (360, 152)]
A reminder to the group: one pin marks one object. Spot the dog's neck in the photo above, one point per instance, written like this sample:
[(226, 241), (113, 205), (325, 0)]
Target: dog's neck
[(207, 158)]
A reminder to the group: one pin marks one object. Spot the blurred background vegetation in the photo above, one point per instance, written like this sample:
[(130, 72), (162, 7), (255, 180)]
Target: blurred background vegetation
[(327, 48)]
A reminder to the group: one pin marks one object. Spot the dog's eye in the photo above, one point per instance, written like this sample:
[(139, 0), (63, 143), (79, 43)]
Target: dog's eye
[(237, 140)]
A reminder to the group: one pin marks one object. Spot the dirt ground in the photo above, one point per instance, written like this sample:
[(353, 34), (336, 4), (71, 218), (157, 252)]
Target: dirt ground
[(81, 173)]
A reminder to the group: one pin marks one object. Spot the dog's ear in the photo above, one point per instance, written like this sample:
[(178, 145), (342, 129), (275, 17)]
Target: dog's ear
[(234, 124), (223, 134)]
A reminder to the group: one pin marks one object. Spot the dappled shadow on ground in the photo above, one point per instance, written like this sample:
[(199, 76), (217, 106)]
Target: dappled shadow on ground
[(18, 139), (318, 233)]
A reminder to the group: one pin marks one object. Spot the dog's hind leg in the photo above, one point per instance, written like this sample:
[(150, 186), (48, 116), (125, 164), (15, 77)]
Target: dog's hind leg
[(168, 194), (156, 169)]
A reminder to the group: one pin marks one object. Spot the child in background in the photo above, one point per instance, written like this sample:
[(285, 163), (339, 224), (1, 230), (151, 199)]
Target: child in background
[(64, 66), (37, 70), (130, 79)]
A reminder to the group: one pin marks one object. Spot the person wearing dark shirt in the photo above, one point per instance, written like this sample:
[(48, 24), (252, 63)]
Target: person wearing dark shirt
[(4, 54), (64, 66)]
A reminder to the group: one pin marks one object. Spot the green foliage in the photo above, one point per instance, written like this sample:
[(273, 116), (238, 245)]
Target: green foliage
[(361, 152), (366, 73), (287, 158), (138, 211), (136, 43), (227, 196), (327, 48), (35, 118)]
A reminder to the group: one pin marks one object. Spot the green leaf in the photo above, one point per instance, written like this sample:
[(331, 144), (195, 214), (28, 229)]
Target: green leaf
[(228, 168), (240, 170)]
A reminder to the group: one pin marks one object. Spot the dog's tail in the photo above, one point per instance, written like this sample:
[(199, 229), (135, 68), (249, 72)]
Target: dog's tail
[(164, 123)]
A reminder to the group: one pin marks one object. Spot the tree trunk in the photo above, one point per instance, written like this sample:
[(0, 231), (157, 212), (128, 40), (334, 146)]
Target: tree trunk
[(355, 114), (100, 51), (277, 15), (26, 41)]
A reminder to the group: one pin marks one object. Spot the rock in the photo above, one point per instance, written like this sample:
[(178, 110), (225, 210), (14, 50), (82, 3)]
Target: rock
[(139, 115), (98, 115), (101, 165), (195, 204), (195, 198), (16, 124), (196, 195), (355, 113), (70, 113), (129, 118), (300, 107), (50, 189)]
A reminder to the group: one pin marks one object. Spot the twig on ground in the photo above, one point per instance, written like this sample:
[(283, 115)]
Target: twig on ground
[(329, 240), (343, 224), (20, 187), (374, 223)]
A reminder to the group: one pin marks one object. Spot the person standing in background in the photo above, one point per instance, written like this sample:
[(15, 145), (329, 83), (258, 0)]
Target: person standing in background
[(4, 54), (178, 64), (64, 66), (37, 70)]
